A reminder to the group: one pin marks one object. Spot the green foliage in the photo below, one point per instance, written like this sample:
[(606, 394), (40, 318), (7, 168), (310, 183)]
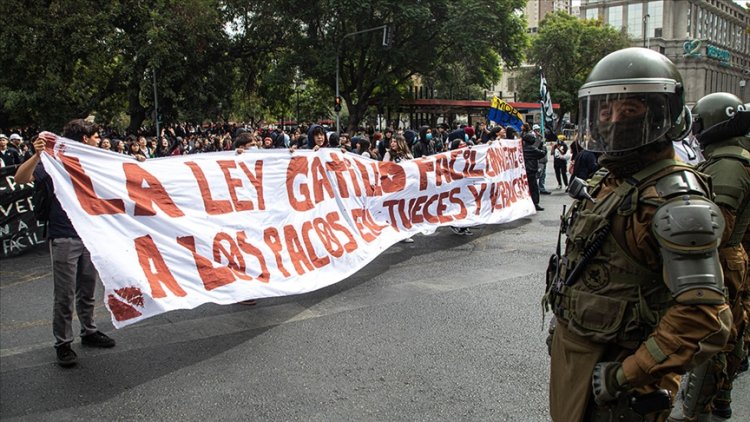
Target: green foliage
[(431, 38), (567, 48), (240, 59)]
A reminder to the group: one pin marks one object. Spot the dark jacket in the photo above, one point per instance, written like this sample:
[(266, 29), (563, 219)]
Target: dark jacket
[(586, 164), (423, 147), (531, 154)]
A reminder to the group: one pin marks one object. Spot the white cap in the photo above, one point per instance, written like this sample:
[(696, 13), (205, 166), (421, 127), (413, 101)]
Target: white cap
[(2, 136), (16, 136), (535, 127)]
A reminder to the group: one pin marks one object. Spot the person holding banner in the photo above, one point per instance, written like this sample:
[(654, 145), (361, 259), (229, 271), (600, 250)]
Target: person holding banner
[(73, 273)]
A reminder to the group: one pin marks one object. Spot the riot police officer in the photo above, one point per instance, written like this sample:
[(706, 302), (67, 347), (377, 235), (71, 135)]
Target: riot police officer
[(721, 124), (638, 293)]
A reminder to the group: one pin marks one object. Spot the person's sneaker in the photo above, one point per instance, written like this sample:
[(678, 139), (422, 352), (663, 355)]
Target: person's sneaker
[(408, 240), (545, 192), (538, 208), (66, 357), (559, 187), (457, 230), (97, 339), (468, 232)]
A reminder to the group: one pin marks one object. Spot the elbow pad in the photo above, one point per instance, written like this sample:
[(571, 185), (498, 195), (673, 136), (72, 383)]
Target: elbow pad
[(689, 230)]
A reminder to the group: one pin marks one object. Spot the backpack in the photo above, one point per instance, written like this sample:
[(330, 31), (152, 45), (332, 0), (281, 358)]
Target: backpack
[(41, 199)]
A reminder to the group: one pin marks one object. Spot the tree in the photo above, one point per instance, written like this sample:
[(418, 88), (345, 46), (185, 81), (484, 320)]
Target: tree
[(567, 48), (429, 36), (71, 58)]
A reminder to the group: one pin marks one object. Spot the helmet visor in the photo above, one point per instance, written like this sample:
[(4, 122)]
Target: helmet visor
[(622, 121)]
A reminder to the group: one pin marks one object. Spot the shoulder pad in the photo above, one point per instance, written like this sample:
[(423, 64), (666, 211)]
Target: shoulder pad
[(689, 222), (736, 152), (684, 182), (689, 231)]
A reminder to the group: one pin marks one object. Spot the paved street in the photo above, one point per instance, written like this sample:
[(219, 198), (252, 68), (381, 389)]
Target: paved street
[(446, 328)]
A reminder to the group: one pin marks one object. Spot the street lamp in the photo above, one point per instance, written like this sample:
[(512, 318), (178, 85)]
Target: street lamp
[(299, 85), (645, 30), (386, 43), (742, 89), (156, 104)]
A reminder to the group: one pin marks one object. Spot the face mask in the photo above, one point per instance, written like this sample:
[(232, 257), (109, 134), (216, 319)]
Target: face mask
[(466, 137), (428, 136), (623, 135), (253, 147)]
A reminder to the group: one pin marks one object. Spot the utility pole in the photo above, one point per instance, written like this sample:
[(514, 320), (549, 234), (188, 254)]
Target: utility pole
[(387, 41), (645, 30), (156, 107)]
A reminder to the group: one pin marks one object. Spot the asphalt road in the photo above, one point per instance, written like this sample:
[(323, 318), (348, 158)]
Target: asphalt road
[(446, 328)]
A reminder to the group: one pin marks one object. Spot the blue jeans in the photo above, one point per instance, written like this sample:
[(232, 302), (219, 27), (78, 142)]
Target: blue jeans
[(542, 176)]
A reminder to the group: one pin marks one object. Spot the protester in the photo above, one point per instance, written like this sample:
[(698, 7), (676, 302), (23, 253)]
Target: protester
[(560, 154), (120, 146), (397, 152), (441, 138), (15, 142), (73, 272), (316, 138), (542, 172), (363, 149), (27, 149), (8, 156), (424, 146), (345, 142), (135, 151), (385, 143), (531, 157)]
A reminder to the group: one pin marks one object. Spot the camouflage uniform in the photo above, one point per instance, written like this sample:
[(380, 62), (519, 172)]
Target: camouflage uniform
[(620, 308)]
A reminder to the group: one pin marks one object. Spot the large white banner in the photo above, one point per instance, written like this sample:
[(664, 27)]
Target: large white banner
[(177, 232)]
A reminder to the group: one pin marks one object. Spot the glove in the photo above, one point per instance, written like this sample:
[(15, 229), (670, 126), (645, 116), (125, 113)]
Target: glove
[(608, 382)]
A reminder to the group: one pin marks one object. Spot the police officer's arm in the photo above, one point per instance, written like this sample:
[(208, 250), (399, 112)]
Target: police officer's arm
[(688, 231), (25, 173)]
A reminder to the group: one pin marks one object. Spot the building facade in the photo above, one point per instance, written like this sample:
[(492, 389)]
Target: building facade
[(536, 10), (708, 40)]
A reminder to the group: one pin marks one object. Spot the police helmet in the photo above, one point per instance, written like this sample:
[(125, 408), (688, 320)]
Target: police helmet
[(632, 97), (714, 109)]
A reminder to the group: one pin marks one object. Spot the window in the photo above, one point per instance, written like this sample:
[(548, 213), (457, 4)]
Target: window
[(615, 17), (592, 13), (656, 20), (635, 20)]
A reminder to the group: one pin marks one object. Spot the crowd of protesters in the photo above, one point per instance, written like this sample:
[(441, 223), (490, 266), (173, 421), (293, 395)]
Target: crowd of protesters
[(387, 145)]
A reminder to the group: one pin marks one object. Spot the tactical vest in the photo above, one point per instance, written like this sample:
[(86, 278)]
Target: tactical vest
[(729, 168), (616, 299)]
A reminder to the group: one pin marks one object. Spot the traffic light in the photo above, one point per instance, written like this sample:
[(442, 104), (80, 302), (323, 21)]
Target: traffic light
[(337, 105), (388, 36)]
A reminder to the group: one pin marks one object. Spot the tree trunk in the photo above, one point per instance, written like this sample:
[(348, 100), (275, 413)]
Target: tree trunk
[(135, 110), (356, 113)]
